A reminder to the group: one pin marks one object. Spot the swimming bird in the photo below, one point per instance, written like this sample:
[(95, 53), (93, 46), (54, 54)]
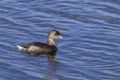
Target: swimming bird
[(39, 47)]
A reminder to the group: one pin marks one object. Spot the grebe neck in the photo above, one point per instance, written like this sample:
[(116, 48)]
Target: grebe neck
[(51, 41)]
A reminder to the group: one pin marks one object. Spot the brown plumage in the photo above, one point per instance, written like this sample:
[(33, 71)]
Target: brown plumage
[(39, 47)]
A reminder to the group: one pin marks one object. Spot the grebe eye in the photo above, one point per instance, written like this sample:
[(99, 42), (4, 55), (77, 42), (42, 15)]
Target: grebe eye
[(57, 33)]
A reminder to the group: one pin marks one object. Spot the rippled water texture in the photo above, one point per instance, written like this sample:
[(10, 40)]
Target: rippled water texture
[(90, 49)]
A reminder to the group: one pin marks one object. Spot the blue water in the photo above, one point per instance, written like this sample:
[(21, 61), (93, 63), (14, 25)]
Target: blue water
[(90, 49)]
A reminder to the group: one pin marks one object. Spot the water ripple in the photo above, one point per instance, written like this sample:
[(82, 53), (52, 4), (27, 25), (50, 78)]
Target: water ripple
[(89, 50)]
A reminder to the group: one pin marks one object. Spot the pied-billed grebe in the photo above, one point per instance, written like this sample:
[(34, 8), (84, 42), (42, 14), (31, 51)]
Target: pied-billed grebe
[(38, 47)]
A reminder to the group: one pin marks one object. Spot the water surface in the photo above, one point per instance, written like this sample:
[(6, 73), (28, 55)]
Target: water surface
[(89, 50)]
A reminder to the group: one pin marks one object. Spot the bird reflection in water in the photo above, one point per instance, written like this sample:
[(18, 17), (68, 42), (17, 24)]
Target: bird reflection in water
[(52, 66)]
